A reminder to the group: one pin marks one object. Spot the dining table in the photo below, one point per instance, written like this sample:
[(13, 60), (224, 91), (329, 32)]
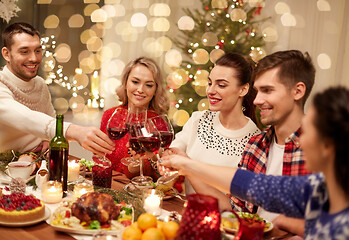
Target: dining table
[(43, 230)]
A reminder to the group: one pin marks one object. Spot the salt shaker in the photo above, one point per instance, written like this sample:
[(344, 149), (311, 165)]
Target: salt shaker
[(42, 174)]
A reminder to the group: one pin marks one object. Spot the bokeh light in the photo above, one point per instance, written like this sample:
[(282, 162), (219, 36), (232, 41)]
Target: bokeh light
[(110, 10), (173, 58), (270, 34), (81, 80), (209, 39), (180, 117), (257, 54), (282, 8), (86, 35), (158, 25), (160, 10), (238, 14), (51, 21), (61, 105), (324, 61), (139, 20), (89, 9), (288, 20), (219, 4), (201, 56), (323, 5), (76, 21), (94, 44), (186, 23), (99, 15), (63, 53), (203, 104), (215, 54)]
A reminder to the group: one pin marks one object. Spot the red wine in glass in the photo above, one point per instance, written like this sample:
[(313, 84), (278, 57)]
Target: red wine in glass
[(116, 133), (150, 144), (116, 128), (166, 139), (135, 145)]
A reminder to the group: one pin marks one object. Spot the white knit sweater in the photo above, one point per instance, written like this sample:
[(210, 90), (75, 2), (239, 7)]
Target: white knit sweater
[(27, 115), (205, 139)]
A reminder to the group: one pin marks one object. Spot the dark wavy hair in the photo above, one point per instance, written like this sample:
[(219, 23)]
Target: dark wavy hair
[(14, 29), (244, 71), (294, 67), (332, 124)]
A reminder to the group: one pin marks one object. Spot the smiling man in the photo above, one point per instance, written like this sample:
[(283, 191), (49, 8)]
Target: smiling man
[(27, 114), (283, 81)]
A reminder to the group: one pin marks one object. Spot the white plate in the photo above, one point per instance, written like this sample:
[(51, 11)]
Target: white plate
[(6, 179), (83, 231), (28, 223), (231, 230)]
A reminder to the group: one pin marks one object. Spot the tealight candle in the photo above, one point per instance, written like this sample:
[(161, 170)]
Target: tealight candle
[(73, 170), (82, 188), (52, 192), (152, 202)]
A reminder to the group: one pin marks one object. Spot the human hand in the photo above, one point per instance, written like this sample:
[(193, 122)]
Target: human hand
[(91, 139), (173, 162), (173, 151)]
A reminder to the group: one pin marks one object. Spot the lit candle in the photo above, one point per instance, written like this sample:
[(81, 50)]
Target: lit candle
[(82, 188), (152, 203), (52, 192), (73, 170)]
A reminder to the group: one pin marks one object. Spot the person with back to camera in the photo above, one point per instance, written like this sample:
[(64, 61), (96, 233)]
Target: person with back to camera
[(27, 115), (142, 86), (322, 198), (219, 135)]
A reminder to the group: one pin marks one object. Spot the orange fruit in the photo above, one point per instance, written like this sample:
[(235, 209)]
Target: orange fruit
[(170, 229), (132, 233), (135, 225), (153, 234), (146, 220), (160, 225)]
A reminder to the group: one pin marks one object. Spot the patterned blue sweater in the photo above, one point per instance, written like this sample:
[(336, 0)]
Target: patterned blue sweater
[(299, 197)]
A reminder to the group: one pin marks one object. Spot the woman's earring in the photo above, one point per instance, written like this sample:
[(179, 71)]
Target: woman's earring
[(243, 108)]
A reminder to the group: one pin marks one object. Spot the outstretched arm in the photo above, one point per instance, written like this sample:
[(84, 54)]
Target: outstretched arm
[(90, 138)]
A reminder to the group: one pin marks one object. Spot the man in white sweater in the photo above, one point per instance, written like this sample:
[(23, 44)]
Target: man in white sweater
[(27, 116)]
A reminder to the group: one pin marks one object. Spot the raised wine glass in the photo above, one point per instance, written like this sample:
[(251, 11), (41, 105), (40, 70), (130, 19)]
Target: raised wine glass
[(166, 133), (116, 127), (135, 122)]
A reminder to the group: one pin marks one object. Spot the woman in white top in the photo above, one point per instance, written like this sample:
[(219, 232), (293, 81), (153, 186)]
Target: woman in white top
[(218, 136)]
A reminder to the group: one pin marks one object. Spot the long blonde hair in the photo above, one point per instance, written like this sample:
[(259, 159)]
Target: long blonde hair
[(160, 101)]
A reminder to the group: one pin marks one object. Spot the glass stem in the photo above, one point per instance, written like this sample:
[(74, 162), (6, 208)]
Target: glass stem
[(141, 167)]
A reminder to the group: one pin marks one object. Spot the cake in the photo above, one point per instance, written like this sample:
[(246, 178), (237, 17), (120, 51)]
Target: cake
[(18, 207)]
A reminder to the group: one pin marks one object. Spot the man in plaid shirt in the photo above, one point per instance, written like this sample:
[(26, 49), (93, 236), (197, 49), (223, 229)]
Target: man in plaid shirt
[(283, 81)]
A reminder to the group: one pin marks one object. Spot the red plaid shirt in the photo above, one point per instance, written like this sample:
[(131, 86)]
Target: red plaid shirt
[(255, 156)]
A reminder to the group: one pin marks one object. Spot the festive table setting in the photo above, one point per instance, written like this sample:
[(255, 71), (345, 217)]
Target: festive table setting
[(120, 210)]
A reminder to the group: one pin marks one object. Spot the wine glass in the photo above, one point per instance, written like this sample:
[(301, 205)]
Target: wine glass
[(116, 127), (166, 133), (135, 122), (149, 139)]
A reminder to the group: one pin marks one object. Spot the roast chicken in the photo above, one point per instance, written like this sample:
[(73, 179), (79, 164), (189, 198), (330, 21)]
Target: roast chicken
[(95, 206)]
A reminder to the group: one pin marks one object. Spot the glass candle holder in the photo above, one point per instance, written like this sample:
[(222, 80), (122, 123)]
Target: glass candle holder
[(201, 218), (73, 170), (101, 172), (52, 192), (82, 188), (152, 201)]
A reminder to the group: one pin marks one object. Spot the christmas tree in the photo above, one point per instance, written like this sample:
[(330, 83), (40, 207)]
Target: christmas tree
[(220, 26)]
